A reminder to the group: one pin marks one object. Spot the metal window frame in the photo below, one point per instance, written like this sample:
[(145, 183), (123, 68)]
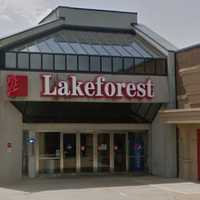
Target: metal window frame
[(89, 67)]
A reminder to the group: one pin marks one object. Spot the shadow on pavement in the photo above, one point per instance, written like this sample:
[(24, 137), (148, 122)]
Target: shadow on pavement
[(84, 182)]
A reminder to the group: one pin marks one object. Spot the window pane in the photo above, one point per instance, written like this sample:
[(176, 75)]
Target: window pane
[(35, 61), (72, 63), (122, 51), (87, 152), (83, 63), (67, 48), (95, 64), (149, 66), (139, 65), (49, 153), (161, 67), (47, 62), (117, 65), (128, 65), (43, 47), (141, 50), (103, 158), (33, 48), (23, 61), (89, 49), (25, 49), (60, 62), (100, 50), (77, 47), (54, 46), (10, 60), (111, 50), (49, 144), (132, 51), (106, 64)]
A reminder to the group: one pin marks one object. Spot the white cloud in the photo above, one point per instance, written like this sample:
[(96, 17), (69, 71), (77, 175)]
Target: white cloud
[(6, 18), (27, 10)]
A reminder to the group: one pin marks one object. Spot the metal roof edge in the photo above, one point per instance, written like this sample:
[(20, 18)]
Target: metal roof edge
[(156, 39), (36, 30), (93, 9)]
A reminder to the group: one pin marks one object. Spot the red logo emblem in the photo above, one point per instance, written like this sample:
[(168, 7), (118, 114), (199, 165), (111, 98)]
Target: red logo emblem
[(17, 86)]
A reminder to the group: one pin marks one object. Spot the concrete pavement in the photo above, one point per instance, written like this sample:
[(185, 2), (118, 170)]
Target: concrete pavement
[(101, 188)]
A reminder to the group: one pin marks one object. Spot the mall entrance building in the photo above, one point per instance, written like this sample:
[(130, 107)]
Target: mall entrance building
[(81, 93)]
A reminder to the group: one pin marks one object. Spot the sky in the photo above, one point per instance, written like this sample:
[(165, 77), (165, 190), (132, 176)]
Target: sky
[(176, 20)]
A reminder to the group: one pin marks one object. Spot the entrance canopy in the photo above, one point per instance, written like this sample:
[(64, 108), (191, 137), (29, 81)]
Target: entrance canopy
[(60, 112)]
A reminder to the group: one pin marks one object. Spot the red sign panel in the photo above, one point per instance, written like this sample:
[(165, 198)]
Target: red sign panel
[(17, 86)]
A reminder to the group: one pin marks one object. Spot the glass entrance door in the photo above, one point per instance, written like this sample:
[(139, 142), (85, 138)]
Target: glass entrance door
[(69, 153), (119, 152), (137, 152), (86, 149), (49, 153), (103, 149)]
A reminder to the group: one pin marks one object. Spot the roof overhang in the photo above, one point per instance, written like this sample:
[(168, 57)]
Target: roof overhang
[(180, 116)]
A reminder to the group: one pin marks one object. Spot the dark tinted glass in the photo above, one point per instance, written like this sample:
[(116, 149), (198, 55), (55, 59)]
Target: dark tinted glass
[(59, 62), (106, 64), (72, 62), (95, 63), (47, 62), (35, 61), (117, 64), (128, 64), (161, 66), (83, 63), (139, 66), (103, 151), (149, 66), (23, 61), (10, 60)]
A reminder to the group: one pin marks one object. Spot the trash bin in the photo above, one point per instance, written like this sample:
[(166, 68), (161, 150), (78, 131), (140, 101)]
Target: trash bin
[(50, 166)]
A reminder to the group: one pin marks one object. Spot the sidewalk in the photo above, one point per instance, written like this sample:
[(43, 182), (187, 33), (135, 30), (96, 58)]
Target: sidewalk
[(101, 188)]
